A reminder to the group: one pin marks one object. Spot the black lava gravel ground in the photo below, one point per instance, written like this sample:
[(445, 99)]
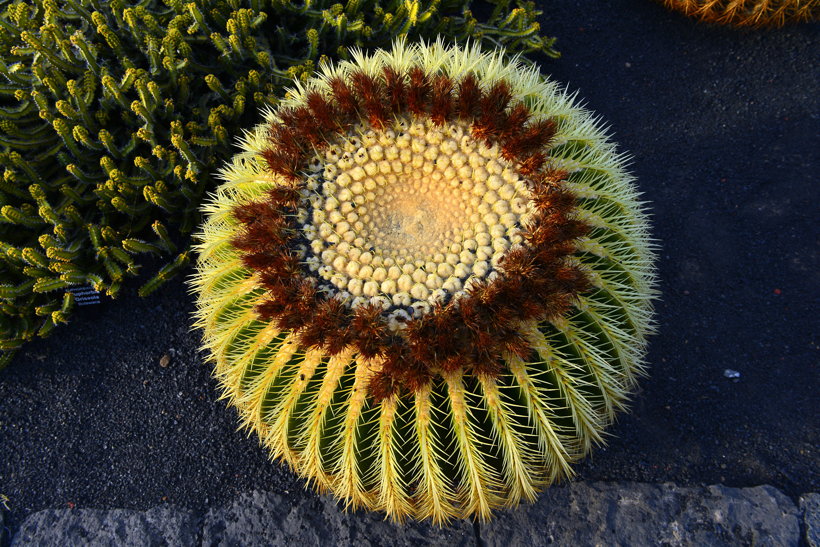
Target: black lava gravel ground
[(723, 129)]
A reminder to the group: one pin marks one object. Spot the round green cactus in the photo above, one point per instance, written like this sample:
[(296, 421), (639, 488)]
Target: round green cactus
[(748, 13), (426, 281)]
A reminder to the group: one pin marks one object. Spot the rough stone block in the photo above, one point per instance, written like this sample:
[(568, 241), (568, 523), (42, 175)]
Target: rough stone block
[(119, 527), (810, 512), (4, 534), (576, 514), (261, 518), (649, 514)]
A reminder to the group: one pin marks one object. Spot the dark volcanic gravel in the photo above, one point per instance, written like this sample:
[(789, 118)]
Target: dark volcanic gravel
[(723, 129)]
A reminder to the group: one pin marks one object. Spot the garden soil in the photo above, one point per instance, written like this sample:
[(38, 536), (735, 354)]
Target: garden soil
[(118, 409)]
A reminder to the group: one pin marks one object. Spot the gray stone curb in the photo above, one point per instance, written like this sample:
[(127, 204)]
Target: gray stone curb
[(69, 527), (3, 532), (576, 514), (650, 514), (810, 513)]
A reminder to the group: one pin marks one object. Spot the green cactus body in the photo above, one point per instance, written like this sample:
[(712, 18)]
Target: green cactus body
[(113, 116), (426, 282), (749, 13)]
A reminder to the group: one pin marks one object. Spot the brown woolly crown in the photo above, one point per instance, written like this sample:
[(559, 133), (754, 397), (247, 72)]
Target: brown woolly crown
[(468, 326)]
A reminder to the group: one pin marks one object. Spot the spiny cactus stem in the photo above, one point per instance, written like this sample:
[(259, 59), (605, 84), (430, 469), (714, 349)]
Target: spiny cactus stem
[(24, 144), (18, 162), (9, 27), (80, 10), (22, 112), (12, 76), (35, 42)]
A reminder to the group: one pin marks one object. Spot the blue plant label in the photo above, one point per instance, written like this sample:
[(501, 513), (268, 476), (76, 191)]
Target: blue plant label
[(85, 295)]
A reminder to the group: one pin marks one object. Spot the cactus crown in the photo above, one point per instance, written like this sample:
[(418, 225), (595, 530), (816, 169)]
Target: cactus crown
[(113, 117), (426, 281), (429, 230)]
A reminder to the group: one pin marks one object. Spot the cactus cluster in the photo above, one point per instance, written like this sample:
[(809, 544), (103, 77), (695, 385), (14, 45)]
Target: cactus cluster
[(748, 13), (426, 281), (114, 115)]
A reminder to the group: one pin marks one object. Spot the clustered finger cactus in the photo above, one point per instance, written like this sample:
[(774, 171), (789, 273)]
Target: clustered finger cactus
[(114, 115), (749, 13), (426, 281)]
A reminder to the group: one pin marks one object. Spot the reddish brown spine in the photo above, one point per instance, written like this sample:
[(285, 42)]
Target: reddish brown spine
[(372, 98), (418, 92)]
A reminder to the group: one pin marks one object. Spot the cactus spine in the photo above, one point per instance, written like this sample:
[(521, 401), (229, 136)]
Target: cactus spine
[(748, 13), (426, 281)]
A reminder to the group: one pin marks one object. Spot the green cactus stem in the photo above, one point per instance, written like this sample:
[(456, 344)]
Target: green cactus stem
[(119, 113), (426, 281)]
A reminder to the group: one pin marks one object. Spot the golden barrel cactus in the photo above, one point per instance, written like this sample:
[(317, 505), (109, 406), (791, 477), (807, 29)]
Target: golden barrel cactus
[(748, 13), (426, 281)]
